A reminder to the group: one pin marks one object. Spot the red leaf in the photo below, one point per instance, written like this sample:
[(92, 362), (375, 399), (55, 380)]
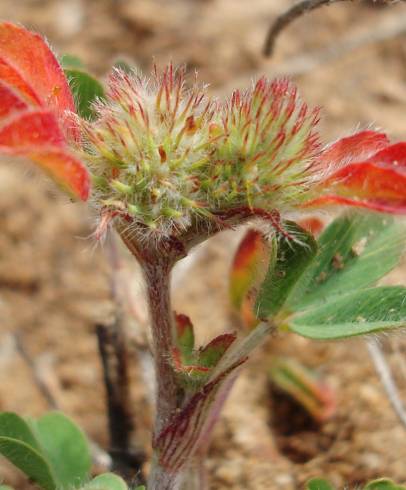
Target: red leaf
[(63, 167), (30, 56), (391, 155), (371, 183), (11, 76), (345, 201), (359, 146), (36, 135), (312, 225), (33, 129), (378, 183), (10, 101)]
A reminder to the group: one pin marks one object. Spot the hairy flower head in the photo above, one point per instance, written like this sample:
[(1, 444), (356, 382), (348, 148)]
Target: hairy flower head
[(166, 158), (163, 153)]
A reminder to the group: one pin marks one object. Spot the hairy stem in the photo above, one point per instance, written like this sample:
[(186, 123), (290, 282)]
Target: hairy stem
[(157, 278)]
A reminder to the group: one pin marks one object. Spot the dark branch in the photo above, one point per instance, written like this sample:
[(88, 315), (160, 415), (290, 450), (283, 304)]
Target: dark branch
[(295, 12), (114, 356)]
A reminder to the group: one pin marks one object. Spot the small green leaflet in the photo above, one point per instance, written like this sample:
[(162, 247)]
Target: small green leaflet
[(86, 90), (292, 258), (52, 451), (356, 313), (65, 448), (70, 61), (355, 251), (29, 461), (319, 484), (383, 484), (19, 446), (107, 481)]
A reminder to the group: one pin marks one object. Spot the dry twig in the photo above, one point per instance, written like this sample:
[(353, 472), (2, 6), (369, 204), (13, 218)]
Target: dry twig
[(385, 374), (293, 13)]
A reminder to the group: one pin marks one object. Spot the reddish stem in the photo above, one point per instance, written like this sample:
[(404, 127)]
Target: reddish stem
[(157, 262)]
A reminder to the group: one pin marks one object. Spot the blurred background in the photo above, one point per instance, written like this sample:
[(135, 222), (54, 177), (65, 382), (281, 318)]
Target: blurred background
[(349, 58)]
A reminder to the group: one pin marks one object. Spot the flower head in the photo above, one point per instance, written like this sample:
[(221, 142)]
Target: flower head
[(165, 157), (165, 154)]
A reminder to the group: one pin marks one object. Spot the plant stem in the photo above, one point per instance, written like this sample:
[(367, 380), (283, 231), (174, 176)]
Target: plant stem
[(157, 263), (157, 279), (161, 479)]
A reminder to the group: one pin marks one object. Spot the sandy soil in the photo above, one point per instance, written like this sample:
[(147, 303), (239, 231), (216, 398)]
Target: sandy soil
[(54, 284)]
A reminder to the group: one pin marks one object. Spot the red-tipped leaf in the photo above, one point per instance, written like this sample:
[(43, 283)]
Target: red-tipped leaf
[(36, 135), (31, 57), (247, 272), (10, 101), (10, 75), (358, 146)]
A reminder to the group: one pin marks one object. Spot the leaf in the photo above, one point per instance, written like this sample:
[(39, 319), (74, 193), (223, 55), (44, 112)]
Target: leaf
[(356, 313), (319, 484), (29, 461), (355, 251), (247, 272), (185, 335), (31, 58), (107, 481), (303, 385), (36, 135), (181, 436), (71, 61), (249, 260), (86, 90), (5, 487), (292, 258), (210, 355), (65, 448), (15, 427), (383, 484)]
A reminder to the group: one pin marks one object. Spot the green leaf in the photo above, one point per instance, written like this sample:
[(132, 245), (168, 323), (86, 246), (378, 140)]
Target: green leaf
[(86, 90), (319, 484), (70, 61), (5, 487), (107, 481), (141, 487), (15, 427), (185, 335), (383, 484), (29, 461), (356, 313), (65, 447), (210, 355), (304, 385), (355, 251), (292, 258)]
